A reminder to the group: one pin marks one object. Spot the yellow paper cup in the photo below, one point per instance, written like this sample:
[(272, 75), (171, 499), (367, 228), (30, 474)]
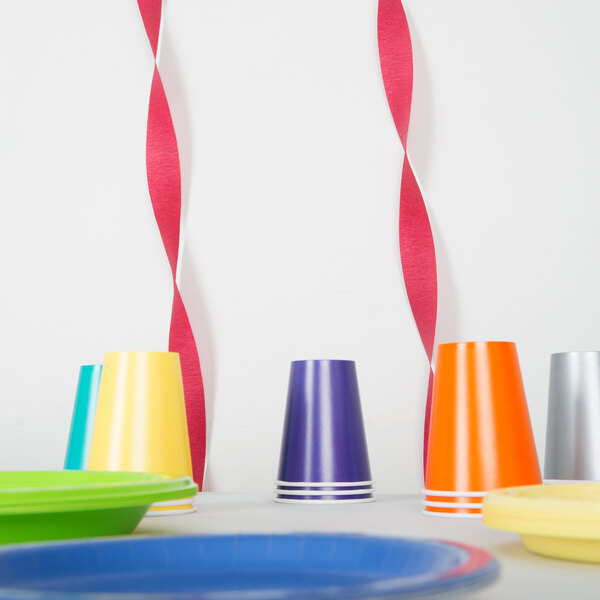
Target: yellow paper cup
[(140, 422)]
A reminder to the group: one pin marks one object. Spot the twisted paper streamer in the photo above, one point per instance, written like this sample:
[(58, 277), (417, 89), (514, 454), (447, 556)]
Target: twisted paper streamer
[(417, 250), (164, 185)]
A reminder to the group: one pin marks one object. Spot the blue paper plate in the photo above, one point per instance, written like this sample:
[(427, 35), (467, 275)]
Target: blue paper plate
[(243, 567)]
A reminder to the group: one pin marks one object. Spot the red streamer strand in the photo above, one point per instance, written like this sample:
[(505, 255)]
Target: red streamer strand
[(417, 250), (164, 185)]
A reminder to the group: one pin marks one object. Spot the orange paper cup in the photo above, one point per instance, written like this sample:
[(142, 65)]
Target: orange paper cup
[(453, 512), (480, 434), (455, 499)]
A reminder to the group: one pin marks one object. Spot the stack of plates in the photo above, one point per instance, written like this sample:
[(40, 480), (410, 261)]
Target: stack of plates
[(562, 520), (451, 504), (52, 505), (322, 492)]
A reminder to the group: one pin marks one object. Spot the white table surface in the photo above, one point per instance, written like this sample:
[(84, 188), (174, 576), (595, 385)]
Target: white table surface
[(523, 574)]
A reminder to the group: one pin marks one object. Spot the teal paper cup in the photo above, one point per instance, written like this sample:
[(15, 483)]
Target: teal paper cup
[(82, 421)]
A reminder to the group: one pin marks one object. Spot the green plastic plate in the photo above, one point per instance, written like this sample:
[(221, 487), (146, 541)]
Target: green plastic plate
[(52, 505)]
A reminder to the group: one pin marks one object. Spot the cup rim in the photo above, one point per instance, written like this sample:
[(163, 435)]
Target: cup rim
[(443, 515), (360, 492), (168, 512), (342, 501), (174, 503), (452, 504), (453, 494), (555, 481), (323, 483)]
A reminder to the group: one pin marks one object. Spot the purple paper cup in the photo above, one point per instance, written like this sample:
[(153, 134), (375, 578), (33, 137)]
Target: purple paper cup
[(324, 447), (324, 495), (324, 499), (323, 488)]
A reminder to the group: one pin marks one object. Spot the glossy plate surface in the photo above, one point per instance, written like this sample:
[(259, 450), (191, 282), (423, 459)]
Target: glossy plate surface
[(561, 520), (244, 567), (51, 505)]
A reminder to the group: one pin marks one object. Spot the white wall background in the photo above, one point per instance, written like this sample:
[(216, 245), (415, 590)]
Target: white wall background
[(291, 173)]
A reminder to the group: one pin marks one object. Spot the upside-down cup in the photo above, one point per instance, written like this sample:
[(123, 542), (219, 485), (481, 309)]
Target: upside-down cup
[(82, 420), (140, 423), (324, 457), (480, 433), (573, 419)]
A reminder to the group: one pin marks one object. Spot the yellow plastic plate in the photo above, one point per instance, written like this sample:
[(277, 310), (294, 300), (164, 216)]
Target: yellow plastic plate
[(562, 521)]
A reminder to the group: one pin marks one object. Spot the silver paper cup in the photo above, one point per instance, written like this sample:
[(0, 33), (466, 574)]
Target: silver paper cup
[(573, 419)]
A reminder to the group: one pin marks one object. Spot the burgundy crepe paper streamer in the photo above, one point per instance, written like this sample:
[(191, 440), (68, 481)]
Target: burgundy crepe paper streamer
[(164, 185), (417, 250)]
